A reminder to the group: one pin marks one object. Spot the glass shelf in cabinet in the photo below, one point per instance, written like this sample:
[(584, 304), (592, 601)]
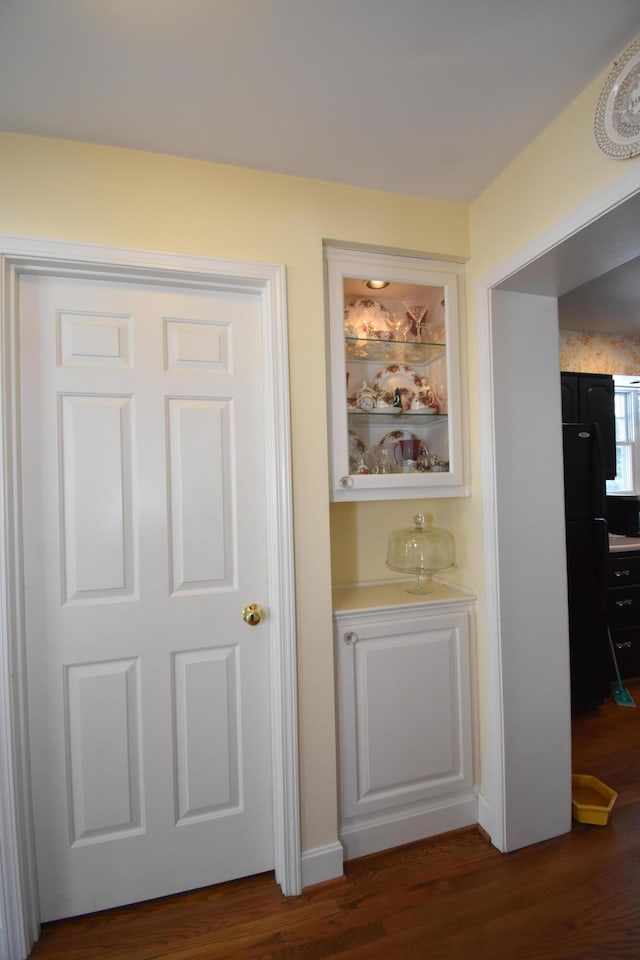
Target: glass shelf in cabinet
[(406, 351), (385, 418)]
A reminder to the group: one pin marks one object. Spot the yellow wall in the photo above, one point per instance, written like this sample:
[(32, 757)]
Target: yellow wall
[(78, 192)]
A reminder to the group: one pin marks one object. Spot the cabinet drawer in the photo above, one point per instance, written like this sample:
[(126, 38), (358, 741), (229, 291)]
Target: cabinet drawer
[(624, 569), (626, 644), (624, 607)]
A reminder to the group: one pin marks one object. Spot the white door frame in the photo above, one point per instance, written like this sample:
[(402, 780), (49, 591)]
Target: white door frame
[(502, 779), (19, 914)]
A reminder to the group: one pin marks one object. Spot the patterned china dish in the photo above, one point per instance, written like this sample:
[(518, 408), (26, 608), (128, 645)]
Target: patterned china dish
[(396, 375), (357, 454), (395, 435), (366, 317)]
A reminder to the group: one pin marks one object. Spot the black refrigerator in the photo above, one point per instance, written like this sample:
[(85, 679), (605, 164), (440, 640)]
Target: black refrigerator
[(587, 538)]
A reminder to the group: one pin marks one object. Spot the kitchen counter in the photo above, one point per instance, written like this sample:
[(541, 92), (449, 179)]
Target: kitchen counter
[(618, 543)]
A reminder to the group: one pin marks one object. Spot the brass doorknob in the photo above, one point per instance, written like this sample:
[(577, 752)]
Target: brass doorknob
[(252, 614)]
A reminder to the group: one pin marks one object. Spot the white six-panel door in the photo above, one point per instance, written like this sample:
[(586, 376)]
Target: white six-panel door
[(144, 538)]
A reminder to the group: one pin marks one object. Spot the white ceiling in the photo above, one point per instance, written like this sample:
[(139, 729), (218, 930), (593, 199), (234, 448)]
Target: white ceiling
[(424, 97), (610, 303)]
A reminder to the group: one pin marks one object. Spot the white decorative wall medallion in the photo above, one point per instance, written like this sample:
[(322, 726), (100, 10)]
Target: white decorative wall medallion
[(617, 118)]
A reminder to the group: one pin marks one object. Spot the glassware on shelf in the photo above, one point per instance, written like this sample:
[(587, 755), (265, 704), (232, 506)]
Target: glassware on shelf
[(379, 348), (398, 326), (382, 458), (416, 307), (437, 323), (440, 391), (422, 551)]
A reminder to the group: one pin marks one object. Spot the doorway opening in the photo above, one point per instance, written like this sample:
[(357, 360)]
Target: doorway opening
[(526, 681)]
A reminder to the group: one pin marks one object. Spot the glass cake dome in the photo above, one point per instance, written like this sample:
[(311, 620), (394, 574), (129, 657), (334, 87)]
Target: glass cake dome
[(421, 550)]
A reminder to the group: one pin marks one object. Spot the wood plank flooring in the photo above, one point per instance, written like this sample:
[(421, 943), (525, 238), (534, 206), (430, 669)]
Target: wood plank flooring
[(450, 898)]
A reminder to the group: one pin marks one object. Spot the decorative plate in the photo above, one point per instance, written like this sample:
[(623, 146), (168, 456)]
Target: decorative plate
[(387, 380), (395, 435), (366, 316), (617, 118), (357, 450)]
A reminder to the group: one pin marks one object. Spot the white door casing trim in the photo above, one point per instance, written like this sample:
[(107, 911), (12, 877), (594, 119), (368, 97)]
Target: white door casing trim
[(496, 803), (19, 913)]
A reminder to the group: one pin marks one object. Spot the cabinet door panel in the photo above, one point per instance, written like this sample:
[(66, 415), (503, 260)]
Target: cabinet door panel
[(589, 398), (405, 731), (596, 406), (394, 373), (569, 393)]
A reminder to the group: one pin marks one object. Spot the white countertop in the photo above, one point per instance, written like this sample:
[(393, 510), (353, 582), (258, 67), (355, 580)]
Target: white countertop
[(618, 543), (394, 593)]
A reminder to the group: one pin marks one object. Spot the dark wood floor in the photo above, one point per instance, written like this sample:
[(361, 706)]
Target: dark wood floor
[(452, 898)]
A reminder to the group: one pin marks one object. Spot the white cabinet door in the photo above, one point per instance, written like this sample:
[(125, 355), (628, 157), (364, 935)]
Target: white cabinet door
[(404, 723), (394, 390), (144, 515)]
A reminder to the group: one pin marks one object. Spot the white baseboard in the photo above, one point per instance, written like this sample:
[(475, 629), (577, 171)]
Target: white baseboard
[(393, 829), (322, 863), (487, 819)]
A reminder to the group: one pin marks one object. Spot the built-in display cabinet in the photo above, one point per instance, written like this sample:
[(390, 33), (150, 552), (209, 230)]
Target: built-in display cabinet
[(394, 378)]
